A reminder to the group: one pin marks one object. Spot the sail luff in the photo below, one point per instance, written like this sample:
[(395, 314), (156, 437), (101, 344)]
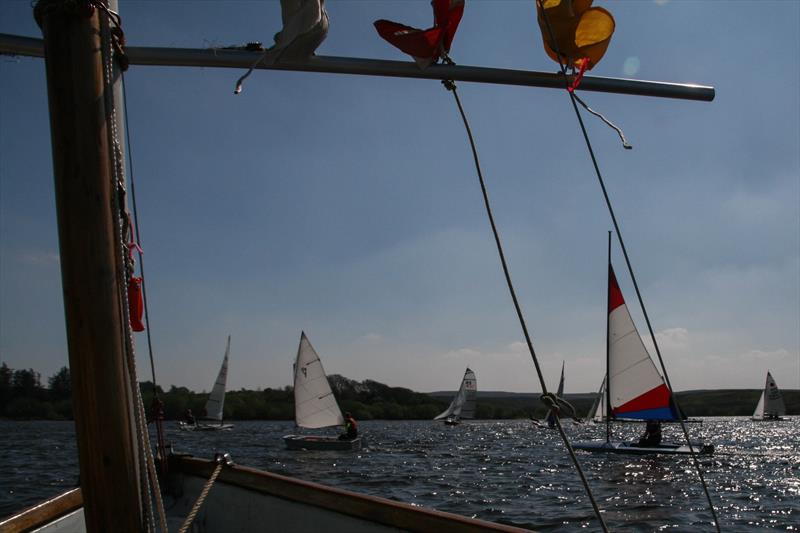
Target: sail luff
[(215, 404), (315, 405)]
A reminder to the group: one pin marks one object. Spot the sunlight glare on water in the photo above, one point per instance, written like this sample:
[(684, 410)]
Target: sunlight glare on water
[(504, 471)]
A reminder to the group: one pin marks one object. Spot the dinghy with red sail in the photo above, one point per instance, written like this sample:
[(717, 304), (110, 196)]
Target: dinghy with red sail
[(635, 388)]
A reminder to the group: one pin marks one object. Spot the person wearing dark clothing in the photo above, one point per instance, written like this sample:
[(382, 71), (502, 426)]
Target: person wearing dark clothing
[(350, 428), (188, 417), (652, 434)]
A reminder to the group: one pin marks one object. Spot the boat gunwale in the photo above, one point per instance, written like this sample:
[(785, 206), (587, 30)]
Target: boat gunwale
[(364, 506), (43, 512)]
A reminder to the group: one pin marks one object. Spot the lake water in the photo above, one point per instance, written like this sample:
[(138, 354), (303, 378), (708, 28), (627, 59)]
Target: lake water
[(504, 471)]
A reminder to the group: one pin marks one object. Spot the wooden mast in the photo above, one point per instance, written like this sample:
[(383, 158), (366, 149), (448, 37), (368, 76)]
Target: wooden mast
[(89, 243)]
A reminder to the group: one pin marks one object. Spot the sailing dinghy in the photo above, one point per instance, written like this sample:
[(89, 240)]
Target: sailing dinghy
[(463, 404), (315, 405), (597, 412), (634, 390), (770, 405), (213, 418)]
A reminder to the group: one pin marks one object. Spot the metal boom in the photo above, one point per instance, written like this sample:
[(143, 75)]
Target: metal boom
[(234, 58)]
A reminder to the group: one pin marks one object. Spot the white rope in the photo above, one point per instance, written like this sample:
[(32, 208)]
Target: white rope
[(150, 485), (200, 499)]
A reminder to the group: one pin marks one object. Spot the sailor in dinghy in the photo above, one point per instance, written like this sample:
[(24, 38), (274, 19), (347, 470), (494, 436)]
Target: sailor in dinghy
[(315, 406)]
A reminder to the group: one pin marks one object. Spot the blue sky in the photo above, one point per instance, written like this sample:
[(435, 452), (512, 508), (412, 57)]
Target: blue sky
[(349, 207)]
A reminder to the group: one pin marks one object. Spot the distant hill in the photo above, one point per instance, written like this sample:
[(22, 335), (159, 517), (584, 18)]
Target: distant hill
[(22, 396), (720, 402)]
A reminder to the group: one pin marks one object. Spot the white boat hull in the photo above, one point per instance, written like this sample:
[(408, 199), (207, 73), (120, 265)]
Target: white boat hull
[(633, 448), (316, 442)]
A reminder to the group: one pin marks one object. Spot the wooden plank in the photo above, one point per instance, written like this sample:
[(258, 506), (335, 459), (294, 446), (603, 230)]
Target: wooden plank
[(43, 513), (365, 507)]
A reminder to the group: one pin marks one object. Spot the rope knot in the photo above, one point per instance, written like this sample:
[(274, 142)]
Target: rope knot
[(450, 85), (551, 401)]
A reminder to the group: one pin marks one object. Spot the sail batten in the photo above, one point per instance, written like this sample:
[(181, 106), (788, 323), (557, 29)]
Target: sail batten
[(314, 402)]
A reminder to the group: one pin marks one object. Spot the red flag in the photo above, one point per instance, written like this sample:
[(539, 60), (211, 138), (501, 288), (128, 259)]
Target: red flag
[(425, 46)]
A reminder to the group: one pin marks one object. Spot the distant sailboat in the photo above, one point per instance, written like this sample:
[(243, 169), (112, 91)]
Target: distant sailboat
[(597, 412), (314, 404), (635, 390), (551, 418), (770, 404), (463, 404), (216, 402)]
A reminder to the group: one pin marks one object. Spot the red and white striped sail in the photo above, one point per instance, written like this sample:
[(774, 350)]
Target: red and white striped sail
[(636, 388)]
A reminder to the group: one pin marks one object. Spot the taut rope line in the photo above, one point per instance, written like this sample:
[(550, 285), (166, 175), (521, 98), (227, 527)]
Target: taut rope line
[(618, 232), (548, 398)]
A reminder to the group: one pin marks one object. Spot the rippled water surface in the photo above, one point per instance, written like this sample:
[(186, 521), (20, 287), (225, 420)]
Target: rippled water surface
[(504, 471)]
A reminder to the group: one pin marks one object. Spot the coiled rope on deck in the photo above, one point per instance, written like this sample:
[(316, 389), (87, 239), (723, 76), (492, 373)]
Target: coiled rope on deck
[(548, 398), (618, 232)]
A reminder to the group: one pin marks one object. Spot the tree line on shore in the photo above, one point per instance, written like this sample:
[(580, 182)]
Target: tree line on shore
[(23, 396)]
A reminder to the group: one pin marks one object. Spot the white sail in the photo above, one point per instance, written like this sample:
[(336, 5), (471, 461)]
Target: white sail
[(758, 414), (314, 403), (770, 404), (597, 412), (463, 404), (216, 400)]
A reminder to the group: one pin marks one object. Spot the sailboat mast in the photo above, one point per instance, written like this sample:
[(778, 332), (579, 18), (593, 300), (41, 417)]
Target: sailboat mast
[(608, 349), (89, 243)]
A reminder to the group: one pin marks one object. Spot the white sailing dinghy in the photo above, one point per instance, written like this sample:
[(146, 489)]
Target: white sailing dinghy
[(770, 405), (463, 404), (213, 420), (314, 404), (635, 389)]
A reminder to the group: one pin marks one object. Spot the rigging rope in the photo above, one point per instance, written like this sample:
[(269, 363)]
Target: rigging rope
[(149, 481), (222, 460), (618, 232), (157, 406), (546, 397)]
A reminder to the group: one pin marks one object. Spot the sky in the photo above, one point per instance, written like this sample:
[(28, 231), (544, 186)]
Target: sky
[(349, 207)]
